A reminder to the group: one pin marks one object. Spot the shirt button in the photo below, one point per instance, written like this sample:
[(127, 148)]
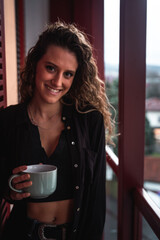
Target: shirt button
[(73, 143), (78, 209), (63, 118), (68, 127), (76, 165), (77, 187)]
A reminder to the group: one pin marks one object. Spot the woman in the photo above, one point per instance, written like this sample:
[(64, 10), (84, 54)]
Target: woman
[(61, 120)]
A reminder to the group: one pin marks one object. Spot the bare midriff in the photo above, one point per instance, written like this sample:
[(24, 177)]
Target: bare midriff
[(58, 212)]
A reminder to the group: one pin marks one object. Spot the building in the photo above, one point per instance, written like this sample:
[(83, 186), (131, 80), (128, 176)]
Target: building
[(153, 115)]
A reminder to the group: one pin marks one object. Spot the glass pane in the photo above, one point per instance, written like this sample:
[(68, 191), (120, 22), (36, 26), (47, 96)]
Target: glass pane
[(147, 233), (152, 117), (111, 59), (110, 229), (111, 55)]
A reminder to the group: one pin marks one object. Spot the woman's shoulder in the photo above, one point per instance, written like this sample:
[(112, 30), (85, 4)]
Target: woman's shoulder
[(90, 115), (9, 110), (90, 112), (9, 113)]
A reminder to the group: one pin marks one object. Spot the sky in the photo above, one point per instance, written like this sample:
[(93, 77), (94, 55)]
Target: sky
[(111, 32)]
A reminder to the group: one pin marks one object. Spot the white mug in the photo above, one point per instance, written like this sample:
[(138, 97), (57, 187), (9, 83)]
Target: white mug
[(43, 177)]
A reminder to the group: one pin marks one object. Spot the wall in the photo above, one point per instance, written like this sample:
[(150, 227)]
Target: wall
[(89, 16), (35, 18)]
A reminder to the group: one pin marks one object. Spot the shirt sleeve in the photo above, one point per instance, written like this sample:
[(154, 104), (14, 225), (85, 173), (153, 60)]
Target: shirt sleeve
[(96, 216)]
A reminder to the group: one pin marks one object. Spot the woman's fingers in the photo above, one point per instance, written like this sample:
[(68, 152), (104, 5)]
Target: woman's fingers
[(22, 185), (20, 178), (19, 169), (18, 196), (20, 182)]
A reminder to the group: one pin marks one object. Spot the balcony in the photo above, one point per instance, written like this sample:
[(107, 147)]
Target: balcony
[(142, 201)]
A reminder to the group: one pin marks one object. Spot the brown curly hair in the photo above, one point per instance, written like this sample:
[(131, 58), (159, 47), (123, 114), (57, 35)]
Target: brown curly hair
[(87, 87)]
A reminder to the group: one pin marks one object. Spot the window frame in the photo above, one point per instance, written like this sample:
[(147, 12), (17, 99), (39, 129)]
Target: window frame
[(133, 200)]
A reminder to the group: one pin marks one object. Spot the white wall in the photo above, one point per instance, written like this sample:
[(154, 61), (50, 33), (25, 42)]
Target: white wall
[(36, 17)]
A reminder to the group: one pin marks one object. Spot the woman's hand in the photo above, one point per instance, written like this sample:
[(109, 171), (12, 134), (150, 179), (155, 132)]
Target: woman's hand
[(19, 183)]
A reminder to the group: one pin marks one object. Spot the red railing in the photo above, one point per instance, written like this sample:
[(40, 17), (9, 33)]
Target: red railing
[(4, 213), (112, 159), (148, 209), (142, 200)]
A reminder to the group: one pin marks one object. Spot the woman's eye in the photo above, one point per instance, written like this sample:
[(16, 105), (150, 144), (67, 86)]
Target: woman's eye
[(50, 68), (68, 74)]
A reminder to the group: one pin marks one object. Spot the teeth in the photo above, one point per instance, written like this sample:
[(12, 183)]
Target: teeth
[(53, 90)]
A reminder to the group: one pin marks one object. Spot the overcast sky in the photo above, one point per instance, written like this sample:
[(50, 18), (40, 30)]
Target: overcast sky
[(111, 24)]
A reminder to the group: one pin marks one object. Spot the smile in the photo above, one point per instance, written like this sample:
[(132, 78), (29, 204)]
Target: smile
[(54, 90)]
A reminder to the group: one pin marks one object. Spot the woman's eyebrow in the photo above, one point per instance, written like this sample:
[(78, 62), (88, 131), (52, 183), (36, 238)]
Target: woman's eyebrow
[(51, 63), (67, 70)]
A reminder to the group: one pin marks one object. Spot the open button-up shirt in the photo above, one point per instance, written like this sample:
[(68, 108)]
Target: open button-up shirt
[(86, 141)]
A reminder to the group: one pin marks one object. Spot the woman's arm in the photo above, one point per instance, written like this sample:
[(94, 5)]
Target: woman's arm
[(96, 218)]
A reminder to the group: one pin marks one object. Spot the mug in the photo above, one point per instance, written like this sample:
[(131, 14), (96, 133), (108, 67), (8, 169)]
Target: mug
[(43, 177)]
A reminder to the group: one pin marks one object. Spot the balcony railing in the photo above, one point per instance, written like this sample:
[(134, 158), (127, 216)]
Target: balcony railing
[(142, 200)]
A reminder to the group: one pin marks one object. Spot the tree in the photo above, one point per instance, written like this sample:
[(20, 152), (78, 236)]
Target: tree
[(112, 93), (153, 90), (149, 138)]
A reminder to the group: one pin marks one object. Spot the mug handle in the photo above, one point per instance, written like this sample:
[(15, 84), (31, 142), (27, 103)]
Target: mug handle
[(10, 183)]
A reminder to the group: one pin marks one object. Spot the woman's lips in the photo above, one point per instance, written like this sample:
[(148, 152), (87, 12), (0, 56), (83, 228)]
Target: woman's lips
[(53, 90)]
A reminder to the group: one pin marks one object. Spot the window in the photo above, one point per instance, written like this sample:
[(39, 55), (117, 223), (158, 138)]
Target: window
[(111, 69), (152, 125), (135, 207)]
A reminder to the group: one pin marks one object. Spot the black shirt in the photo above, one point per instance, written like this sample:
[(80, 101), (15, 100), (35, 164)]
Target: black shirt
[(61, 158), (86, 141)]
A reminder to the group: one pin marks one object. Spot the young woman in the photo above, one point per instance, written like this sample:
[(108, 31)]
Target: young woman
[(61, 120)]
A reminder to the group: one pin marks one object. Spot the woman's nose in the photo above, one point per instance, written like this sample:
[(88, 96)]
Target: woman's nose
[(57, 79)]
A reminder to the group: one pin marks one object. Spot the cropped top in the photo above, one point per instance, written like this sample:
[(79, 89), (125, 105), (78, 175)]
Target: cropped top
[(62, 160)]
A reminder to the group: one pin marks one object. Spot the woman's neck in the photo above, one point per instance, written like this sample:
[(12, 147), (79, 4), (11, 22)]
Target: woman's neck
[(45, 111)]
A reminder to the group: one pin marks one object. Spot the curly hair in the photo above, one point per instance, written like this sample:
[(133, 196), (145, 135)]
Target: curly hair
[(87, 88)]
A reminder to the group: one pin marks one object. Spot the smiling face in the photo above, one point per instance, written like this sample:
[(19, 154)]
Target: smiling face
[(55, 72)]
